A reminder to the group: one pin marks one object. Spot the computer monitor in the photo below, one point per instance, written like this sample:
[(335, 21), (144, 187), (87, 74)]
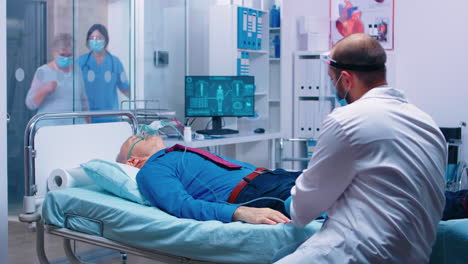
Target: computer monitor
[(217, 97)]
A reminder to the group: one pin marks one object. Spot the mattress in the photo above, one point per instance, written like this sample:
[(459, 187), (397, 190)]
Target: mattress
[(93, 211)]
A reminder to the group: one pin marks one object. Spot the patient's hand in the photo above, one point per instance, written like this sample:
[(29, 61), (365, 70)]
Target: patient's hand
[(259, 216)]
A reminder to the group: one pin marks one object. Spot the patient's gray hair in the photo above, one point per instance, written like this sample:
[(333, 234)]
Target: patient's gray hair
[(62, 41)]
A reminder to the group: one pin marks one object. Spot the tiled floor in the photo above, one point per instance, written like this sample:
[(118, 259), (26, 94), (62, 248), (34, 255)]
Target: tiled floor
[(22, 242)]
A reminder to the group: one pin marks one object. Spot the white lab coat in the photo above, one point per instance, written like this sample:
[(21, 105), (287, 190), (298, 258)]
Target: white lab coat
[(378, 171)]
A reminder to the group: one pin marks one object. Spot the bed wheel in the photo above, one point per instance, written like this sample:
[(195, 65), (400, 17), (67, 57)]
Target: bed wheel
[(123, 257)]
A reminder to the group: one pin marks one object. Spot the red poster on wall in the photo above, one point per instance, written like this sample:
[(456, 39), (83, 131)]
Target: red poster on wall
[(373, 17)]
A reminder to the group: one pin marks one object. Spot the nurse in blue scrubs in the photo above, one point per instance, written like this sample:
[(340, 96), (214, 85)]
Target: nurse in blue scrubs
[(103, 73)]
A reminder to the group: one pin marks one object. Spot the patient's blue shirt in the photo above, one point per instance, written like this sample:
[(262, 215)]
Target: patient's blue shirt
[(187, 185)]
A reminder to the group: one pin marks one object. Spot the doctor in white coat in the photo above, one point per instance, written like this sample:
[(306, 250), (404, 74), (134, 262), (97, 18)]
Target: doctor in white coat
[(378, 169)]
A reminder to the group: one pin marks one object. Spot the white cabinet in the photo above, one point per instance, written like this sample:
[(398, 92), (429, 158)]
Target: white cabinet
[(313, 95), (305, 126)]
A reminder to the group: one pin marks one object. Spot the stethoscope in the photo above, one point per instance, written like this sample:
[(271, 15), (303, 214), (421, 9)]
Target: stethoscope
[(86, 64)]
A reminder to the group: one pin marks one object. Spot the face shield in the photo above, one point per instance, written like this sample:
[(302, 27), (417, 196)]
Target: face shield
[(324, 57)]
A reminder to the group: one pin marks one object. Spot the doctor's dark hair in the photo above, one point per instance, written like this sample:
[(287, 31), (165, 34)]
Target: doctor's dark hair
[(102, 29), (361, 50)]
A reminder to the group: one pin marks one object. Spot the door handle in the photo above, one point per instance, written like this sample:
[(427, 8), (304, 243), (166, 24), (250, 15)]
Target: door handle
[(8, 118)]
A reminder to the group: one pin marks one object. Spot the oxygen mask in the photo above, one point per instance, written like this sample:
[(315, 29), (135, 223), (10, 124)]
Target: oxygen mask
[(151, 130)]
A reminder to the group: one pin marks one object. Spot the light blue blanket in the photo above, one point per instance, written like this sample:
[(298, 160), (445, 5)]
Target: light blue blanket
[(150, 228)]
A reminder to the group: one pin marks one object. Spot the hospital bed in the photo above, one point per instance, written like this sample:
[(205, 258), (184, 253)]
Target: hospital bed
[(92, 215)]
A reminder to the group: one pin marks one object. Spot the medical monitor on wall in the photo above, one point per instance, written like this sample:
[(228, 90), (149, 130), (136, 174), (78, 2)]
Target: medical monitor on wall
[(217, 97)]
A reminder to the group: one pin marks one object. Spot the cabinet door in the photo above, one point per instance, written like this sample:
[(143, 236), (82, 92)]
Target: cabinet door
[(307, 116), (307, 72), (325, 107)]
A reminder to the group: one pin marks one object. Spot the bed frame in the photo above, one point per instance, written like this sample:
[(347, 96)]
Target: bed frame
[(32, 200)]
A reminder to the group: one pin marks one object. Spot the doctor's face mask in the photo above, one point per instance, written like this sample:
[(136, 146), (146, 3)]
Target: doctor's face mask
[(341, 100)]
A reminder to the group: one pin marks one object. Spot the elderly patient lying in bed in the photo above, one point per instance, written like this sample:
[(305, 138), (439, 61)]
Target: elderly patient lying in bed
[(196, 184)]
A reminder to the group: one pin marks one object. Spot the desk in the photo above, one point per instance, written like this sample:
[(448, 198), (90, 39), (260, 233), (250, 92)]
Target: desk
[(243, 137)]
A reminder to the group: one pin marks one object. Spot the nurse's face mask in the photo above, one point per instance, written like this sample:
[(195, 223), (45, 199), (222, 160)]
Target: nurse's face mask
[(96, 45), (96, 41)]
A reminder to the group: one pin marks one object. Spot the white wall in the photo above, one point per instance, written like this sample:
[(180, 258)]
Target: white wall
[(3, 139), (431, 56), (198, 36)]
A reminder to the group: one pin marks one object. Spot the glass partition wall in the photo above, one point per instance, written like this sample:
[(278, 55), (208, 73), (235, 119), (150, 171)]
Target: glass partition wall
[(102, 33), (161, 56), (64, 56), (78, 55)]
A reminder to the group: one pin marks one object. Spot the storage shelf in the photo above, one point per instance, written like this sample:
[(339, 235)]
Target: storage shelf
[(254, 51), (327, 97), (223, 57), (275, 59), (272, 29), (274, 101)]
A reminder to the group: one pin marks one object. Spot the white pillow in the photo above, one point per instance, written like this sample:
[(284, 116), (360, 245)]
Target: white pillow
[(116, 178)]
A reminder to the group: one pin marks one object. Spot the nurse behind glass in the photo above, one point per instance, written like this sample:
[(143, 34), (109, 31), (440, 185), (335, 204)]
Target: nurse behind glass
[(54, 88), (102, 73)]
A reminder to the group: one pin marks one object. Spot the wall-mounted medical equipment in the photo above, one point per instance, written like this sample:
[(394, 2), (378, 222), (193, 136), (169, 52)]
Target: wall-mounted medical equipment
[(161, 58)]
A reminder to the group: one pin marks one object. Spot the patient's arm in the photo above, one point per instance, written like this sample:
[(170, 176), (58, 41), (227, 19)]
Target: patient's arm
[(259, 216)]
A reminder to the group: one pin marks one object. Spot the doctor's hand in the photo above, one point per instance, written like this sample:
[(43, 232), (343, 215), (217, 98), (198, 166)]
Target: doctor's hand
[(259, 216)]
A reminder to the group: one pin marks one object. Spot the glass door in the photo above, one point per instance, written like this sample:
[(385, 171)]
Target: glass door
[(81, 55), (27, 42), (48, 70), (3, 141)]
